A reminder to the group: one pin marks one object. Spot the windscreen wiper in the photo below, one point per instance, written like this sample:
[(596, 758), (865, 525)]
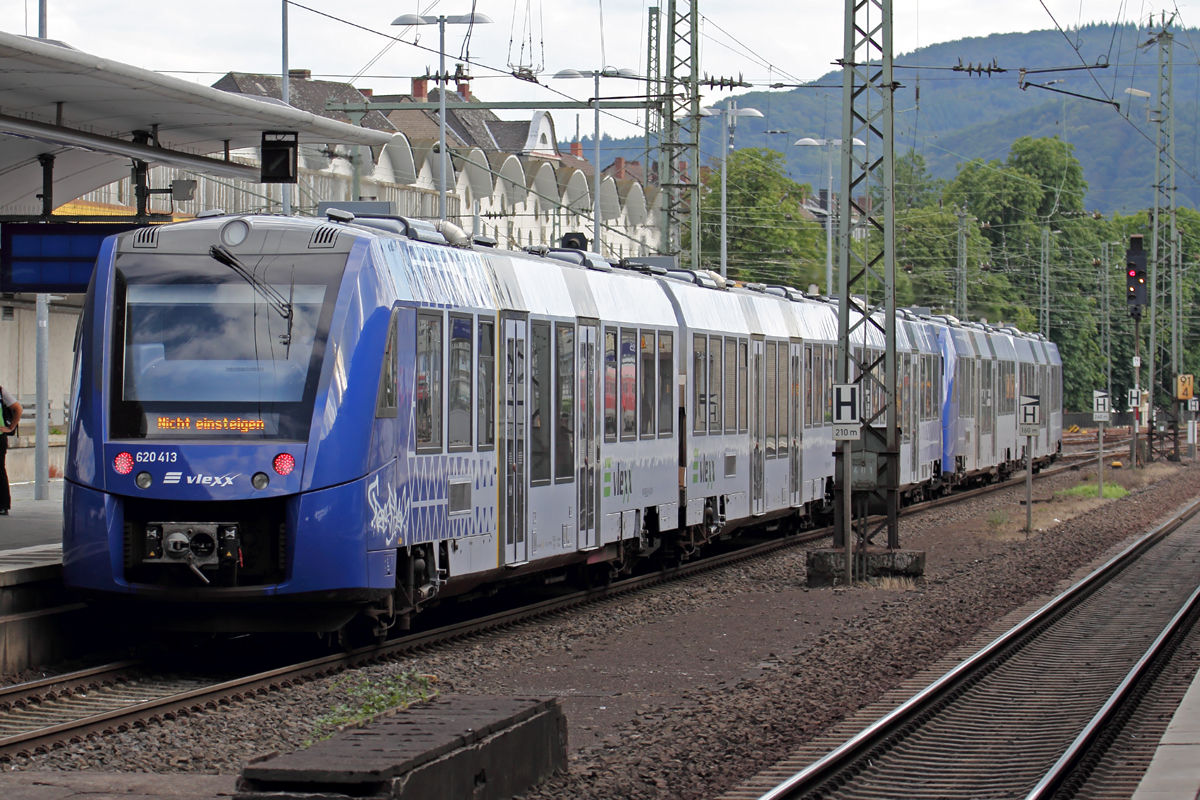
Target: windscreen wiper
[(268, 292)]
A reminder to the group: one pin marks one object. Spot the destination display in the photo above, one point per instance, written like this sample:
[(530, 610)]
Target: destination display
[(205, 425)]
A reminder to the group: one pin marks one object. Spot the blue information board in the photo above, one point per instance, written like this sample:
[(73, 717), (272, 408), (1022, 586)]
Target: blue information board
[(52, 256)]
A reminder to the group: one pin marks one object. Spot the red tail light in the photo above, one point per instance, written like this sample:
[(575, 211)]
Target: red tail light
[(283, 463), (123, 463)]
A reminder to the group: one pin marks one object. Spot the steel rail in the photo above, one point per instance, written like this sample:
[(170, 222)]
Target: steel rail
[(1137, 677), (235, 690), (876, 735)]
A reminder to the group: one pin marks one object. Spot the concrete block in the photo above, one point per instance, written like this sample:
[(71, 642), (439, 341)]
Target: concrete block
[(827, 566), (485, 748)]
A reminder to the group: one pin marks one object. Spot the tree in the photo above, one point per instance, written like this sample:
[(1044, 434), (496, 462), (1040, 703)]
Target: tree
[(1053, 165), (913, 186), (770, 238)]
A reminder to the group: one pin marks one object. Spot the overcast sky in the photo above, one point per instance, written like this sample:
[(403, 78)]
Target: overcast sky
[(764, 40)]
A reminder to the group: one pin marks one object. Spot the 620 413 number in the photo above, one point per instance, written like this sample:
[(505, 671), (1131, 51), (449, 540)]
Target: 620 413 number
[(163, 456)]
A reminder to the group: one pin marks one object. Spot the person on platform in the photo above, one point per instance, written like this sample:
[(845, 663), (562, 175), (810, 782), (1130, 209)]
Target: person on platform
[(12, 415)]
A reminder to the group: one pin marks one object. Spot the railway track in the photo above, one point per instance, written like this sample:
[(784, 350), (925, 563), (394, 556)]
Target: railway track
[(1036, 713), (70, 708)]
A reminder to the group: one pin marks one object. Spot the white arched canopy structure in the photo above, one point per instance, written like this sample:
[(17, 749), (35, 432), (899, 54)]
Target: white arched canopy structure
[(573, 188), (633, 201), (474, 163), (395, 163), (507, 169), (425, 154), (610, 201), (543, 185)]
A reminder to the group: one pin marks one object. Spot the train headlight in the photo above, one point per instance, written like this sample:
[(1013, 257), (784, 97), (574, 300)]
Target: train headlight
[(143, 480), (123, 463), (284, 463), (235, 233), (260, 480)]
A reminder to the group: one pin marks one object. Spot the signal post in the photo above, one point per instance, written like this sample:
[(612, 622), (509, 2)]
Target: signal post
[(1135, 301), (1100, 414)]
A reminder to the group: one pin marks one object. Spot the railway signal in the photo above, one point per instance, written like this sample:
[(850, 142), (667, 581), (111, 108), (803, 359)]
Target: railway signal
[(1135, 277)]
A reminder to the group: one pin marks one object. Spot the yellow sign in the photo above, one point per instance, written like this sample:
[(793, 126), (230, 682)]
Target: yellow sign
[(1184, 385)]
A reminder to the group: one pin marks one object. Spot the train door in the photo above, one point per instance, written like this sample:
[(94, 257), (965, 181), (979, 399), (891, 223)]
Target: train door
[(796, 423), (588, 432), (515, 425), (977, 422), (993, 407), (912, 420), (758, 483)]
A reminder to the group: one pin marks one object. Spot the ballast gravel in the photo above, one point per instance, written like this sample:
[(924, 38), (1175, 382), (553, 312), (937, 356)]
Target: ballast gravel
[(688, 689)]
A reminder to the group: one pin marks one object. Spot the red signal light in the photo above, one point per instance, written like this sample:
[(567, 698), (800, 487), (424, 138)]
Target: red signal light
[(1132, 272), (283, 463), (123, 463)]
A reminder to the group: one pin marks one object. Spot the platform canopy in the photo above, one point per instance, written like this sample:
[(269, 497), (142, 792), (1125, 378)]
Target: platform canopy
[(84, 110)]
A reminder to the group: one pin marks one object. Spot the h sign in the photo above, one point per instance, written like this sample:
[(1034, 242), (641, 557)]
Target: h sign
[(845, 404), (847, 424), (1029, 419), (1100, 402)]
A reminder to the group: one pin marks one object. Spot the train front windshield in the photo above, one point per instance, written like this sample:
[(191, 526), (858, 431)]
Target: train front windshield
[(200, 352)]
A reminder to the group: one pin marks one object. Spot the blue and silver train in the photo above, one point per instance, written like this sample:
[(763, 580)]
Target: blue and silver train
[(286, 423)]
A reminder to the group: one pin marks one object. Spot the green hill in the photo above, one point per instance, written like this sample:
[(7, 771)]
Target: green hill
[(951, 117)]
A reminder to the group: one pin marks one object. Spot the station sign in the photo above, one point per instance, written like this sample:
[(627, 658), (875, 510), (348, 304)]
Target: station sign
[(1100, 406), (1029, 419), (847, 421)]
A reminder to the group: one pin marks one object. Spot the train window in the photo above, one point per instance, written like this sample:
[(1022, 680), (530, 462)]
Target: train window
[(387, 401), (628, 384), (427, 392), (458, 385), (564, 402), (743, 388), (960, 381), (699, 383), (487, 385), (610, 384), (927, 386), (828, 384), (540, 402), (808, 385), (924, 389), (781, 402), (731, 385), (935, 388), (769, 390), (795, 405), (818, 402), (647, 384), (715, 373), (666, 384)]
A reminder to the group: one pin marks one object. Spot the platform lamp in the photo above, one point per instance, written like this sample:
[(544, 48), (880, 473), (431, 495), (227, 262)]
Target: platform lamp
[(829, 145), (442, 21), (597, 74), (729, 111)]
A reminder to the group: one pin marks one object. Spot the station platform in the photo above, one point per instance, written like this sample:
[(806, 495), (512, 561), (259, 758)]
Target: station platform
[(1174, 773), (32, 522)]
